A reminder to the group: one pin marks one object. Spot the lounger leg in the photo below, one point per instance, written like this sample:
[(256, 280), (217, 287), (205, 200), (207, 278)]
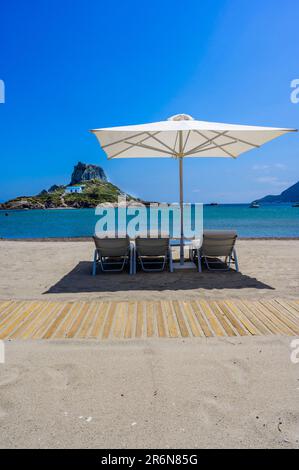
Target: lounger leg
[(170, 260), (132, 270), (131, 261), (199, 261), (236, 260), (153, 270), (94, 264), (207, 264), (219, 269), (102, 264)]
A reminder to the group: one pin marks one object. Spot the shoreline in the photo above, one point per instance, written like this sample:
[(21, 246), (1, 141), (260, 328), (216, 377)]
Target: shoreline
[(146, 203), (89, 238)]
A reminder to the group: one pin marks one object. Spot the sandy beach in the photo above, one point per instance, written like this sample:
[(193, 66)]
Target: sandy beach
[(239, 392), (61, 270), (232, 393)]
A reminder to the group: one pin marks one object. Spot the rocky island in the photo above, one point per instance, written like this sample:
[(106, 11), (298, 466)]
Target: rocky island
[(88, 188)]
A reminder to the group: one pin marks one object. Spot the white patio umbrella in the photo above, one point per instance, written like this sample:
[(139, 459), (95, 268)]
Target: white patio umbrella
[(180, 137)]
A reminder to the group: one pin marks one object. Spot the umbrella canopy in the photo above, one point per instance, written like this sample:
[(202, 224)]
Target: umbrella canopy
[(180, 137)]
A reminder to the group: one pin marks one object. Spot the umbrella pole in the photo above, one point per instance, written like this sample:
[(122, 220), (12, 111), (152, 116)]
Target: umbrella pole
[(181, 198), (182, 212)]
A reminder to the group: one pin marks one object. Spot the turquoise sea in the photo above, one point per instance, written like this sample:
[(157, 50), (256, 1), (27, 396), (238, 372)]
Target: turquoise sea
[(268, 221)]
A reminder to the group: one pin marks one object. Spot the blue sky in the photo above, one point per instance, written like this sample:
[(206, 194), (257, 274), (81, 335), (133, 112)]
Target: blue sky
[(72, 65)]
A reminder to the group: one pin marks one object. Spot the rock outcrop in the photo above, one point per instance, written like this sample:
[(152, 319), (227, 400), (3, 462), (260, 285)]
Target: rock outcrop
[(86, 172)]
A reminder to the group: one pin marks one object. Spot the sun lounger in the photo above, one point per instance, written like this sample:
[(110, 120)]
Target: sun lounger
[(153, 254), (217, 244), (112, 254)]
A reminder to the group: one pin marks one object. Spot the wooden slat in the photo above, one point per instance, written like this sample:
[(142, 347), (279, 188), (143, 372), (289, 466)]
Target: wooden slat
[(290, 306), (88, 321), (63, 328), (253, 318), (35, 312), (238, 312), (51, 330), (193, 324), (119, 323), (4, 305), (160, 321), (12, 309), (273, 320), (15, 320), (225, 323), (233, 320), (139, 320), (129, 328), (100, 315), (149, 319), (283, 315), (201, 319), (258, 313), (180, 318), (37, 321), (211, 317), (48, 320), (109, 321), (78, 320), (170, 321)]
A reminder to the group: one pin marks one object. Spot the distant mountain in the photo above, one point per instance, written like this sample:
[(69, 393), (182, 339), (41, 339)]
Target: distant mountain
[(288, 195)]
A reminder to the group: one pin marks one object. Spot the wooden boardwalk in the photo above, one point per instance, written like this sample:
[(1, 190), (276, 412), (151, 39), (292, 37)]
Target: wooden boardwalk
[(164, 319)]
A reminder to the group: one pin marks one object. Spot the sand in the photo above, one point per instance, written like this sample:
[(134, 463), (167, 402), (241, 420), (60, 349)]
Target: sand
[(200, 393), (156, 393), (61, 270)]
